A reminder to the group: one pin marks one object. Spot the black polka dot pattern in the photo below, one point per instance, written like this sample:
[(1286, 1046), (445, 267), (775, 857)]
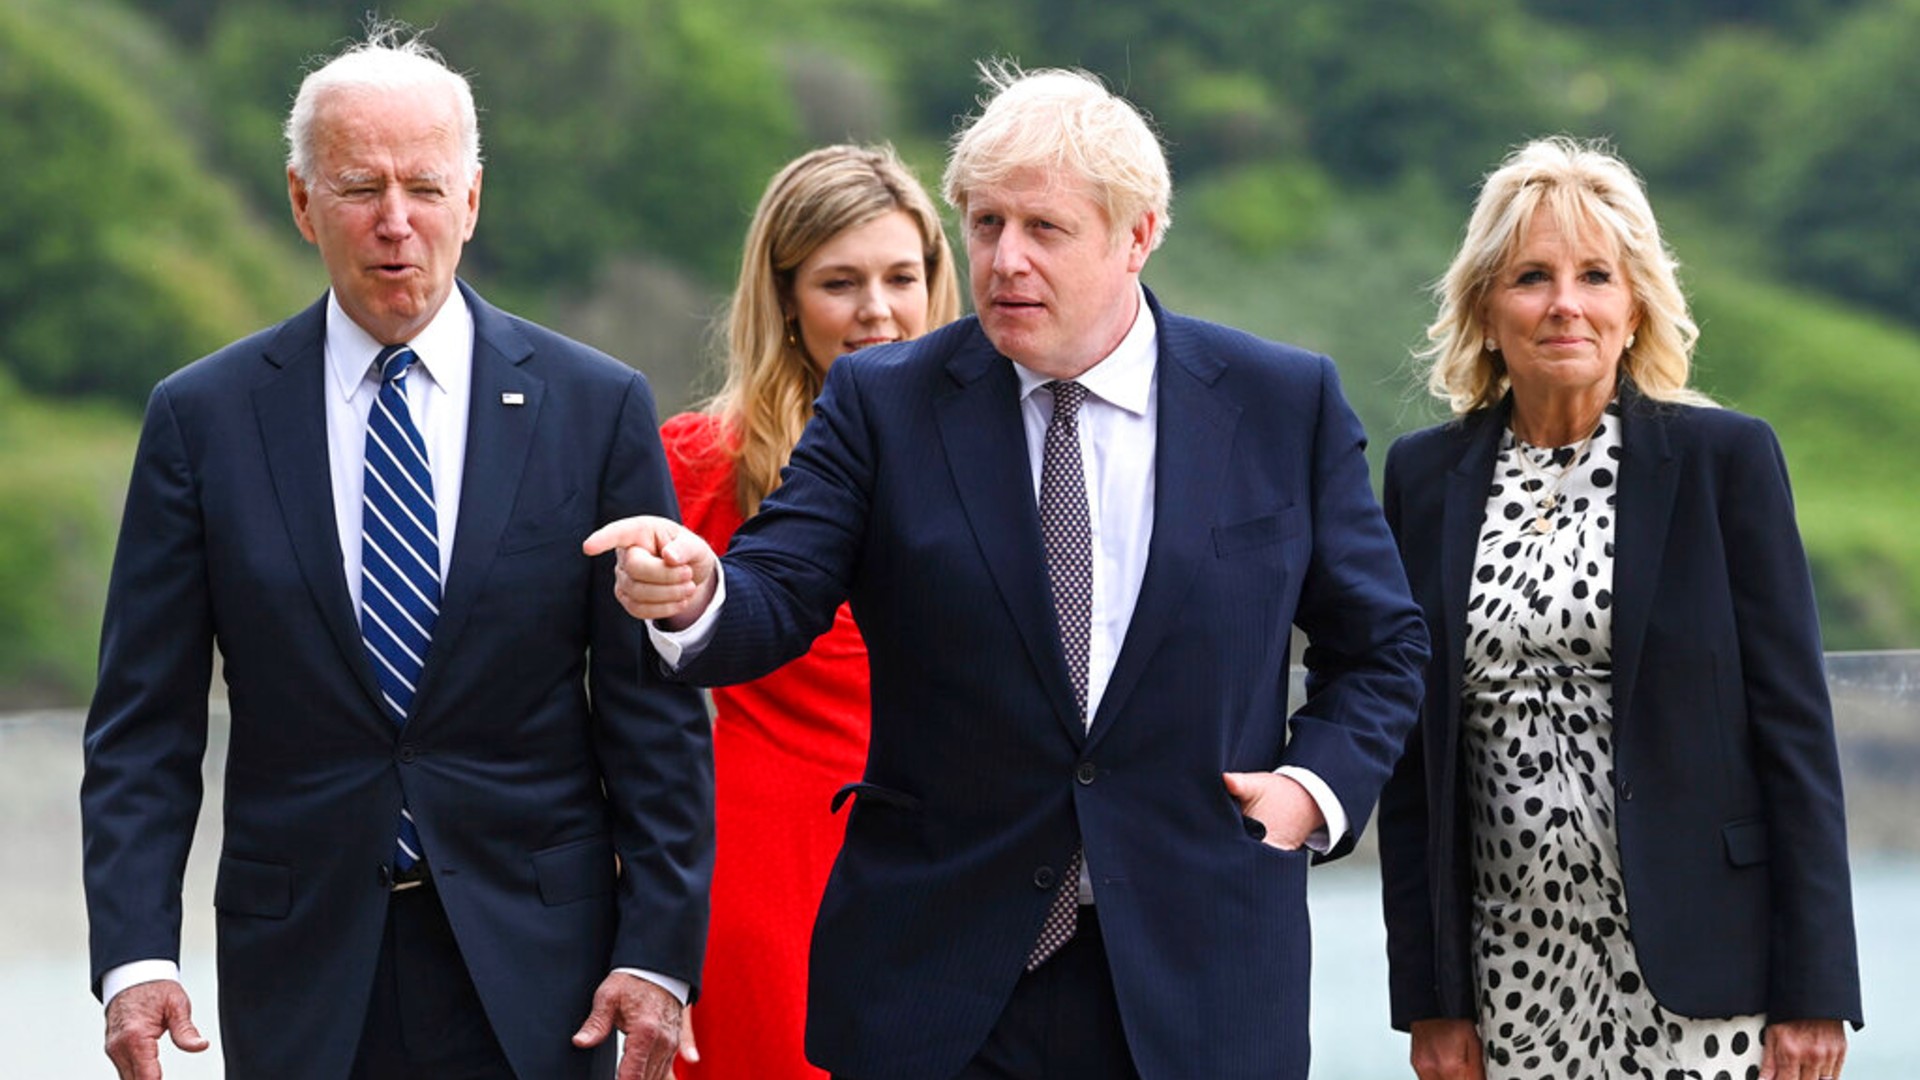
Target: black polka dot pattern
[(1561, 997)]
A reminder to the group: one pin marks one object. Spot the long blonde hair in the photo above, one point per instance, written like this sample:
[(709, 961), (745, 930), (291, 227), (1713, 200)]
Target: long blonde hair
[(1584, 186), (771, 383)]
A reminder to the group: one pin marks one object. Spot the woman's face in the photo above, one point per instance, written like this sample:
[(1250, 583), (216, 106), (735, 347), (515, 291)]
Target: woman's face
[(865, 286), (1560, 311)]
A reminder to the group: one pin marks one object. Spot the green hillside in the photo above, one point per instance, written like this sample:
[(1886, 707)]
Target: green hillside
[(1324, 163)]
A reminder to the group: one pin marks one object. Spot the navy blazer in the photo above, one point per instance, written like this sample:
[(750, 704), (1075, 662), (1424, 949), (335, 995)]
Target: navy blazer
[(911, 494), (527, 767), (1727, 793)]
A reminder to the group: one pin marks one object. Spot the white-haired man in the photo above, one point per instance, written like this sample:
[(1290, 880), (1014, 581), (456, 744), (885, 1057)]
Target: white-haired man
[(1076, 531), (453, 846)]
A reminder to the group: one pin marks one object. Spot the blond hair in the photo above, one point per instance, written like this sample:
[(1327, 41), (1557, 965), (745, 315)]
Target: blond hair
[(771, 382), (1065, 124), (1586, 187)]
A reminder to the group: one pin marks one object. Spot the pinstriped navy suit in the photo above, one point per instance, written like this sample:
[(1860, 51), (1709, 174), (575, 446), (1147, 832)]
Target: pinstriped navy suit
[(911, 494), (527, 768)]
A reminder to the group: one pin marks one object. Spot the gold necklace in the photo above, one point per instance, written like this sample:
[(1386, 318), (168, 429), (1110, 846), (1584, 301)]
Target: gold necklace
[(1548, 499)]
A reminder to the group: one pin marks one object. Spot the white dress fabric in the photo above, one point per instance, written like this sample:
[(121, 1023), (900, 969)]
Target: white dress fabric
[(1561, 996)]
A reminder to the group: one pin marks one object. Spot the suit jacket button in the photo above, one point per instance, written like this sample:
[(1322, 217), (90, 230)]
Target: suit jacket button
[(1086, 772), (1626, 791), (407, 753), (384, 876), (1045, 878)]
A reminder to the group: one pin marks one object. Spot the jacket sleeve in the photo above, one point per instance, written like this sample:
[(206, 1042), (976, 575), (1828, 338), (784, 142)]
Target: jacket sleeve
[(147, 727), (652, 737), (1367, 642), (1812, 957)]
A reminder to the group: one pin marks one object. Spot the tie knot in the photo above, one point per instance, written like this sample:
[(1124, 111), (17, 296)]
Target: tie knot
[(1067, 397), (394, 360)]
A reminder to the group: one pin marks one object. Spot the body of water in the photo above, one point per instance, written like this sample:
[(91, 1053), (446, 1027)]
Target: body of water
[(50, 1026)]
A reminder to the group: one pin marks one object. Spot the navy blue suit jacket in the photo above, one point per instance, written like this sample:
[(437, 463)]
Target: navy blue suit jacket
[(1727, 783), (541, 746), (912, 495)]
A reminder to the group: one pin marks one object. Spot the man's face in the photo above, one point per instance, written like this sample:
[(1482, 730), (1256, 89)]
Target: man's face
[(1055, 288), (390, 205)]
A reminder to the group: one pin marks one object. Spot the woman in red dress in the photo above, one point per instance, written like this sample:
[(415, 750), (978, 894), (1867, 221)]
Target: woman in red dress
[(845, 251)]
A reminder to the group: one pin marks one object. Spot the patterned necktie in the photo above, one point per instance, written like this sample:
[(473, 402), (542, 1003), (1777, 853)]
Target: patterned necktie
[(1067, 534), (399, 557)]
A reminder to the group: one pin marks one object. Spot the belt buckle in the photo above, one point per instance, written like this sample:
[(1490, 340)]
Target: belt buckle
[(402, 880)]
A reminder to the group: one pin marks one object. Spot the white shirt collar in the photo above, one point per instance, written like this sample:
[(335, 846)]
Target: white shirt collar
[(1124, 377), (444, 348)]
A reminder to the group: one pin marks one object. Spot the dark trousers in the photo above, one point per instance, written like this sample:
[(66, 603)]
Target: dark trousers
[(425, 1018), (1063, 1021)]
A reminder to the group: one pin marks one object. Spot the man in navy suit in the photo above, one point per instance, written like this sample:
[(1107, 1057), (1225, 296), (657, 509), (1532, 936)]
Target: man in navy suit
[(482, 874), (1080, 846)]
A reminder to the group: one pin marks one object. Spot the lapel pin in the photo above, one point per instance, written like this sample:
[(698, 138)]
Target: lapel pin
[(513, 398)]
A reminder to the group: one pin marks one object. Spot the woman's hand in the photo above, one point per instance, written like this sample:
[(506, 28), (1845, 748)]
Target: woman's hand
[(1446, 1050), (1804, 1050)]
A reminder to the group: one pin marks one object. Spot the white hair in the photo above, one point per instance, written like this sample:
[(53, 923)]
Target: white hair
[(393, 57)]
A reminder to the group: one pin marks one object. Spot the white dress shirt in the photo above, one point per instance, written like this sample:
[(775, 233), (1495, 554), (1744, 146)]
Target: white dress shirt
[(438, 397)]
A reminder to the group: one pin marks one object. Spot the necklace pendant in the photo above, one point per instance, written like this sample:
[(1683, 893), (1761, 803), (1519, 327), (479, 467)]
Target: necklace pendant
[(1542, 525)]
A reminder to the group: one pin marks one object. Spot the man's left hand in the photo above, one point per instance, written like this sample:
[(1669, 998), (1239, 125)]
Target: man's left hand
[(1279, 803), (646, 1014)]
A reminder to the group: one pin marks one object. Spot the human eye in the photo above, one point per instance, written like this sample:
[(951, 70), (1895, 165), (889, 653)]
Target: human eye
[(905, 278), (1531, 275), (1598, 276)]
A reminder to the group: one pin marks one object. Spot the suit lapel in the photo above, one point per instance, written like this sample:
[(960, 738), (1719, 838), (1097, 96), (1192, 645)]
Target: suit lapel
[(498, 438), (1461, 519), (1648, 481), (1192, 450), (986, 449), (291, 410)]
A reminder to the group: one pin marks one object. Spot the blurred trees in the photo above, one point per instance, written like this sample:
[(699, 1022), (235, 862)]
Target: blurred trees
[(1325, 153)]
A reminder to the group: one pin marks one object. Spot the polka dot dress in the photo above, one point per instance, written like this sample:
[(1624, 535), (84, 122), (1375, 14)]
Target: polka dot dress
[(1561, 997)]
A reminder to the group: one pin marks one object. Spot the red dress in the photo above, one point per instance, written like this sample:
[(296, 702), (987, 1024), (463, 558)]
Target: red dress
[(782, 746)]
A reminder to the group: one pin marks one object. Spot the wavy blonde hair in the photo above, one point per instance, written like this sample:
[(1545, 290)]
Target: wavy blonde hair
[(1586, 188), (771, 383), (1064, 123)]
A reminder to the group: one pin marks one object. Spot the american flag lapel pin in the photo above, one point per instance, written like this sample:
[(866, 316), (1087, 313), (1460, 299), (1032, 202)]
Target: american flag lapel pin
[(513, 397)]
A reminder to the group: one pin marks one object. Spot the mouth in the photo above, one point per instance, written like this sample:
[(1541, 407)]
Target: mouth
[(863, 343)]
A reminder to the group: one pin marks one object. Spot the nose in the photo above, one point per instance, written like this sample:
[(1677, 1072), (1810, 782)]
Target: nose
[(1009, 254), (392, 221), (873, 306), (1565, 303)]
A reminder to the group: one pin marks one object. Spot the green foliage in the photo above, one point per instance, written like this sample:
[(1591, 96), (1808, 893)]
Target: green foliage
[(1841, 389), (1839, 197), (62, 473), (1261, 209), (125, 257)]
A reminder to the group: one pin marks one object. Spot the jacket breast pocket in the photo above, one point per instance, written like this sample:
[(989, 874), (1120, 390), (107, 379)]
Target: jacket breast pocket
[(548, 526), (246, 887), (1263, 531), (576, 870), (1746, 841)]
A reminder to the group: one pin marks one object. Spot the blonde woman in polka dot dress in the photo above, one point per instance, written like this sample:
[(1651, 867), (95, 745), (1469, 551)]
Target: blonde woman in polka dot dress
[(1615, 846)]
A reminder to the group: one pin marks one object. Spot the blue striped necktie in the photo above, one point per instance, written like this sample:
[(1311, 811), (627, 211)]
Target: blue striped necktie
[(399, 557)]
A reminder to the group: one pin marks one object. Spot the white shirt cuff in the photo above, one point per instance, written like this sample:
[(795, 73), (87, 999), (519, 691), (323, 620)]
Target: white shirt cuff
[(135, 973), (1319, 840), (679, 646), (677, 987)]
